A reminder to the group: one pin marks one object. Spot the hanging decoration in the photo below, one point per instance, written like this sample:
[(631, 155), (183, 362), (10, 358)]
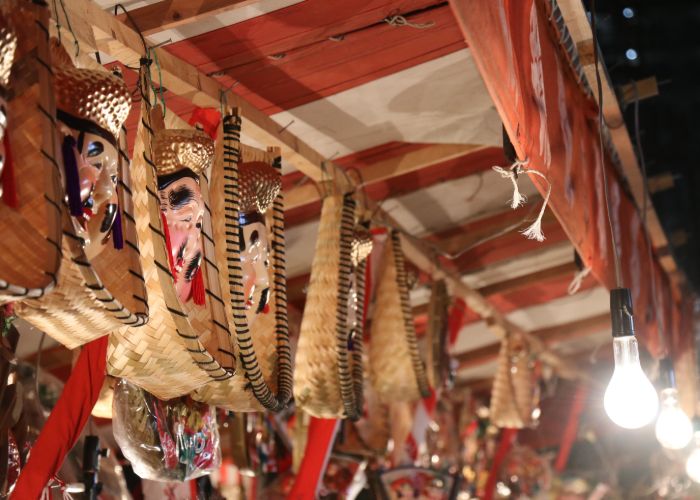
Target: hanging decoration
[(329, 371), (30, 207), (397, 371), (515, 392), (183, 346), (174, 440), (100, 285), (249, 228)]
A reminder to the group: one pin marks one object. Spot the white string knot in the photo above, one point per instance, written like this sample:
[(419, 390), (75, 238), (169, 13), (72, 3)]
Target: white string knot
[(399, 20), (577, 280), (534, 230)]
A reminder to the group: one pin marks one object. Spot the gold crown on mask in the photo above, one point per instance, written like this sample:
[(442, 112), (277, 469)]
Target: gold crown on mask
[(260, 185), (8, 46), (92, 95), (175, 149)]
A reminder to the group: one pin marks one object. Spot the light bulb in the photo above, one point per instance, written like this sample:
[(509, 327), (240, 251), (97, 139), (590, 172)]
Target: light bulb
[(630, 399), (692, 464), (674, 430)]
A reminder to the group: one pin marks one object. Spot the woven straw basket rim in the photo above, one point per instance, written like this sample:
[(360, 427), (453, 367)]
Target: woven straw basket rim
[(30, 250)]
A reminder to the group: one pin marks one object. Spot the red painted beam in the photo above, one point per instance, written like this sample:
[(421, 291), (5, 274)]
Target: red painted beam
[(287, 58), (552, 123)]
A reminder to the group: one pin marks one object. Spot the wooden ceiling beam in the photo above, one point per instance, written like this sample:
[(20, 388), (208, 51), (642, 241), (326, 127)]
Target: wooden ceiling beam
[(98, 30), (550, 336), (510, 285), (169, 14), (389, 168)]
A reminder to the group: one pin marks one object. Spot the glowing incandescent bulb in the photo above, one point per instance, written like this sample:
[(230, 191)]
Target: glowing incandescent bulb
[(630, 399), (692, 464), (674, 430)]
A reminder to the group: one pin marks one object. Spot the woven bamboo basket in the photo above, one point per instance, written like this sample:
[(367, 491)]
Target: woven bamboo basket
[(94, 296), (263, 380), (437, 360), (30, 249), (393, 349), (172, 354), (328, 370), (514, 394)]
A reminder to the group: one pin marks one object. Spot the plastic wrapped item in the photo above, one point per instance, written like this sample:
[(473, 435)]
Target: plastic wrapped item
[(174, 440)]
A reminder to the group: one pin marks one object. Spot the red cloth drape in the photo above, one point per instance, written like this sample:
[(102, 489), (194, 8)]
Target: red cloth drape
[(507, 439), (318, 448), (66, 421)]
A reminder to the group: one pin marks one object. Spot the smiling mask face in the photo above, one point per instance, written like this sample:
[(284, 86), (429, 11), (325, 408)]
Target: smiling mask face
[(181, 203), (98, 170), (91, 107), (255, 261), (180, 155), (259, 185)]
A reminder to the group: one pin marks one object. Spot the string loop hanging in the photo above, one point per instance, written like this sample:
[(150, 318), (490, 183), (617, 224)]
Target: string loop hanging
[(534, 230)]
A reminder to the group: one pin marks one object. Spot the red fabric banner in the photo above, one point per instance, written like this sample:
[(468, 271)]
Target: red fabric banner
[(66, 422), (318, 448), (552, 124)]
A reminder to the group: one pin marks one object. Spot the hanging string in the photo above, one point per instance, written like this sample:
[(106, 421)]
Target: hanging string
[(576, 282), (68, 23), (534, 231), (154, 52), (399, 20), (512, 173)]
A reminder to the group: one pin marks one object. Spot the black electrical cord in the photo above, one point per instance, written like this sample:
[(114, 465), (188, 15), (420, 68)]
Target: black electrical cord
[(601, 122)]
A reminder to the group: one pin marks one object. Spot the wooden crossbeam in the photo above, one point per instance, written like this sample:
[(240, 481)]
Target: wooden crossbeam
[(387, 169), (521, 282), (551, 335), (169, 14), (98, 30)]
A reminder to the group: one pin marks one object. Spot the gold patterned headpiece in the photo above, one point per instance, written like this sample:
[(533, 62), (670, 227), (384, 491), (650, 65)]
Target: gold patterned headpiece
[(260, 184), (8, 46), (92, 95), (175, 149)]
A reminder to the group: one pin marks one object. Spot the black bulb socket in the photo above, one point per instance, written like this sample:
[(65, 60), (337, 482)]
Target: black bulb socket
[(621, 313)]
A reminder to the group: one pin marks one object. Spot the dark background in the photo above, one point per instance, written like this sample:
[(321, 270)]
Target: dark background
[(666, 37)]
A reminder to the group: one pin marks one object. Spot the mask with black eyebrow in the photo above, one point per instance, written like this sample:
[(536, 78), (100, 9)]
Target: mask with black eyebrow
[(255, 252), (183, 208)]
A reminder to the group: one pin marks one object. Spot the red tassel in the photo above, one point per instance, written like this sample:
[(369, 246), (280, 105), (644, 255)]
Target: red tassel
[(198, 293), (166, 232), (9, 188)]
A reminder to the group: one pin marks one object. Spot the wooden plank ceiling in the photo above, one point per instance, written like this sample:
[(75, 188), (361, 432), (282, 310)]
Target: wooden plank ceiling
[(403, 110)]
